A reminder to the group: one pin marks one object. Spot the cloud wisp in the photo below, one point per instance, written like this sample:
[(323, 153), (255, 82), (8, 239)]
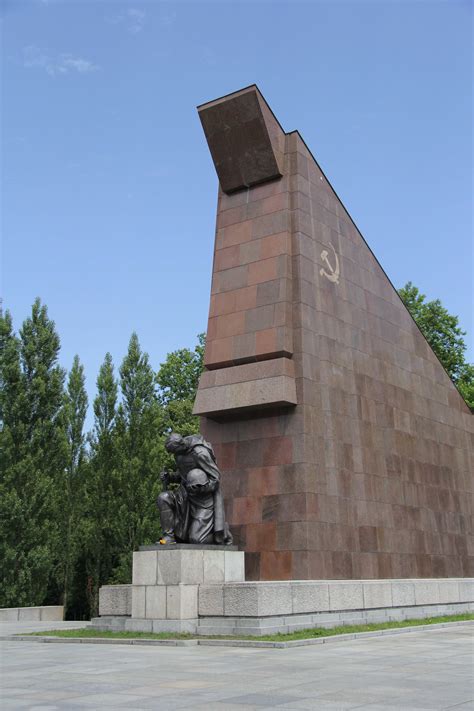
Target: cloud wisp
[(133, 19), (56, 64)]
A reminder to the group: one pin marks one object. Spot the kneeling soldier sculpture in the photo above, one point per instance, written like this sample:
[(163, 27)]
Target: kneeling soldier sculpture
[(194, 512)]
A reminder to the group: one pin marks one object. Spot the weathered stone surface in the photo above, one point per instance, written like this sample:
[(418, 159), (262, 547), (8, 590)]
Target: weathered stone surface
[(426, 592), (155, 602), (9, 614), (144, 568), (274, 392), (189, 565), (115, 600), (377, 594), (177, 626), (138, 601), (211, 600), (138, 625), (403, 593), (241, 599), (310, 597), (234, 567), (181, 602), (239, 135), (346, 596), (448, 591), (214, 567), (466, 590), (46, 613), (29, 613)]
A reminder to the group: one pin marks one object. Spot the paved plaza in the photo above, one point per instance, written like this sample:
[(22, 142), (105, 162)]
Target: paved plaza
[(418, 670)]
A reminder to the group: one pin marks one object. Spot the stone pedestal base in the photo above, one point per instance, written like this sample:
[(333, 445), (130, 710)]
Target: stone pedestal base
[(166, 580)]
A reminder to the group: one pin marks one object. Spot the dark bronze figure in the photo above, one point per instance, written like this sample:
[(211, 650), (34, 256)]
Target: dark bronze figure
[(194, 512)]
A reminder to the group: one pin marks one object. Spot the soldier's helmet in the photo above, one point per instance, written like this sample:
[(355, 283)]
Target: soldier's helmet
[(196, 477)]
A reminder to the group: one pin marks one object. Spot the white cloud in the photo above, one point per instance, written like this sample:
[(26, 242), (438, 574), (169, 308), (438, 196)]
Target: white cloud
[(57, 64), (133, 19), (136, 20)]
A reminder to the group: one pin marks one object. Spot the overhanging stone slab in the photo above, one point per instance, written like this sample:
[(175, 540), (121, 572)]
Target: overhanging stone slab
[(253, 386)]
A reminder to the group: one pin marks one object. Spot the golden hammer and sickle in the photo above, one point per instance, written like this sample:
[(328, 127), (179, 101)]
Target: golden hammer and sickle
[(334, 275)]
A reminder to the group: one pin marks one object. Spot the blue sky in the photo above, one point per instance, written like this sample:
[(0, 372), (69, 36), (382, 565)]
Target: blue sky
[(109, 193)]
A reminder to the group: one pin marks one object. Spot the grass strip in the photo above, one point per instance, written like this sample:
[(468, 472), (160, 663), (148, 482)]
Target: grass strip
[(281, 637)]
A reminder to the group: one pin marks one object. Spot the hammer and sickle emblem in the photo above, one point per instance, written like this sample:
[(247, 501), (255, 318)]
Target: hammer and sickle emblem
[(334, 273)]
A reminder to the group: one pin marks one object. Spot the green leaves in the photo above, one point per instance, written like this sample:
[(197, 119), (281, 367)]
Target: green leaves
[(74, 506), (34, 452), (442, 331)]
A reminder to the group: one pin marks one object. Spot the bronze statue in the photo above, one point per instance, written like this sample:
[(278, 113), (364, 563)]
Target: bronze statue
[(194, 512)]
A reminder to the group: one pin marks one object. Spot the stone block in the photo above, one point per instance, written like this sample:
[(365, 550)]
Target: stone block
[(448, 591), (180, 566), (9, 614), (345, 596), (377, 594), (51, 613), (270, 392), (115, 600), (30, 614), (144, 568), (181, 602), (466, 590), (234, 567), (211, 600), (403, 593), (310, 597), (175, 626), (138, 601), (214, 566), (241, 600), (138, 625), (275, 599), (155, 602), (426, 592)]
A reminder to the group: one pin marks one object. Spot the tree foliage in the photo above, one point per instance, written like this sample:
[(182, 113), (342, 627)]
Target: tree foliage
[(34, 456), (75, 505), (442, 331)]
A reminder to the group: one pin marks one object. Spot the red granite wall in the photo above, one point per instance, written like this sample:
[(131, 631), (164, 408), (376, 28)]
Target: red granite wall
[(370, 474)]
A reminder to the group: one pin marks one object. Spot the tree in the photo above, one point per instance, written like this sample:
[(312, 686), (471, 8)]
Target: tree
[(139, 428), (75, 410), (178, 379), (442, 331), (100, 526), (34, 454)]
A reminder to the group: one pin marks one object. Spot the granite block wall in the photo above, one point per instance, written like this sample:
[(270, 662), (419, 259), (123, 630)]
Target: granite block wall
[(346, 449)]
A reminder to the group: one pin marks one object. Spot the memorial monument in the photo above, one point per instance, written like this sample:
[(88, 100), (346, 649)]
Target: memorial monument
[(341, 449), (346, 450)]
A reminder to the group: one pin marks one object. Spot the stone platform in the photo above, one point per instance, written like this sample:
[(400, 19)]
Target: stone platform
[(203, 590)]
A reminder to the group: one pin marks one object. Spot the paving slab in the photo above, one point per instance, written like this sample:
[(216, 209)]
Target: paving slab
[(426, 669)]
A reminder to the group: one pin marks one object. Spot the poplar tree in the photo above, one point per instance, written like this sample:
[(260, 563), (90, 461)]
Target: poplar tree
[(139, 428), (75, 410), (100, 525), (34, 457)]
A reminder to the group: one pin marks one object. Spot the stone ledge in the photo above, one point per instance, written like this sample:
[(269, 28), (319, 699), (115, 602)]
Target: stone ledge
[(284, 624), (259, 599), (46, 613), (215, 402)]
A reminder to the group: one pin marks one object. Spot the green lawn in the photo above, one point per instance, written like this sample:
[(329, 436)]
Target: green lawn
[(302, 634)]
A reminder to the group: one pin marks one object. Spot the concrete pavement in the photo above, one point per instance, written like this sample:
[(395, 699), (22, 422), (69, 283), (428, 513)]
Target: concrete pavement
[(422, 670)]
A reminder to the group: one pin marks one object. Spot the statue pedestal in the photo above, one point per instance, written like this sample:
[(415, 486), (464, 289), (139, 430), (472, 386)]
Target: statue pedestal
[(166, 580)]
